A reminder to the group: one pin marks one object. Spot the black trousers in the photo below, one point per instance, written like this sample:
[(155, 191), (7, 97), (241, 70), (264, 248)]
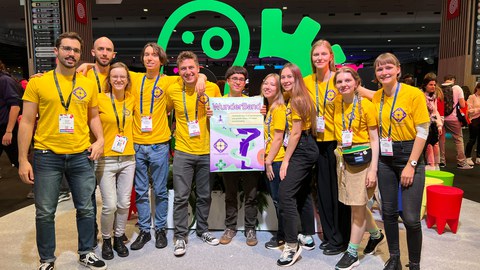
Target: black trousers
[(295, 189), (334, 215), (12, 149)]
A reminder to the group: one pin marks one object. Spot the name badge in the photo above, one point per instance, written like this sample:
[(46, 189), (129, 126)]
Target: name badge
[(147, 123), (286, 138), (66, 123), (193, 128), (119, 143), (347, 138), (386, 147), (320, 124)]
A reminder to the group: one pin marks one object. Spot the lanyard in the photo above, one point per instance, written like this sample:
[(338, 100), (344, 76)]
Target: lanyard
[(326, 92), (355, 99), (153, 93), (185, 105), (269, 122), (391, 111), (66, 106), (120, 129), (98, 80)]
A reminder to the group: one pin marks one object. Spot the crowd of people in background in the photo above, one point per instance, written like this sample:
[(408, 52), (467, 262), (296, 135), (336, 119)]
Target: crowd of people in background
[(323, 132)]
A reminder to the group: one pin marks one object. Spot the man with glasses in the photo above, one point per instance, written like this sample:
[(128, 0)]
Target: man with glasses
[(62, 147)]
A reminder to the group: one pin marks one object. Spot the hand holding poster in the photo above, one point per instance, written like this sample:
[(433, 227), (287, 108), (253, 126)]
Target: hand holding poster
[(236, 134)]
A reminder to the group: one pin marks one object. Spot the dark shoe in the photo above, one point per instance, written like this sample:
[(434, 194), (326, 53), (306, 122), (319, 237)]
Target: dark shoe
[(347, 262), (227, 236), (442, 165), (120, 247), (251, 237), (124, 239), (324, 245), (46, 266), (393, 263), (372, 244), (209, 238), (107, 252), (141, 240), (91, 261), (274, 243), (413, 266), (160, 238), (332, 250), (289, 255)]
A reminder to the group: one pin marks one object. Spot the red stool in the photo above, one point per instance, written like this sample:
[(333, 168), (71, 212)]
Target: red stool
[(443, 206), (133, 205)]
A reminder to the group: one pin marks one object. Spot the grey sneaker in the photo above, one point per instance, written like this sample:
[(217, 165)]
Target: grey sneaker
[(289, 255), (251, 237), (227, 236), (179, 248), (46, 266), (306, 241), (91, 261), (208, 238)]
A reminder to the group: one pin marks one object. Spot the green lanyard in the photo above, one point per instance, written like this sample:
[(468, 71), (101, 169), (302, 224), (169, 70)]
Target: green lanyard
[(325, 97), (355, 99), (120, 129), (391, 112), (67, 105), (98, 80)]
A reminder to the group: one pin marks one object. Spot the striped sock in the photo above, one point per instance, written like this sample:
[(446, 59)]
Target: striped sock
[(375, 233), (352, 249)]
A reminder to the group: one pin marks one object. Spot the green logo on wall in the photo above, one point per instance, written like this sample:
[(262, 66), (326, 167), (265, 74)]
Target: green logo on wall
[(294, 47)]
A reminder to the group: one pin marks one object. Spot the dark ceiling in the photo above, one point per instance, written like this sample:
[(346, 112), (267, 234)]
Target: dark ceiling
[(364, 28)]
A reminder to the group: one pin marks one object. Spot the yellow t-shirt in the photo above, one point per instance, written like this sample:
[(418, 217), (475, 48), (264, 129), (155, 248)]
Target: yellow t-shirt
[(364, 117), (332, 92), (160, 130), (293, 115), (275, 120), (197, 145), (101, 84), (43, 92), (109, 122), (410, 110)]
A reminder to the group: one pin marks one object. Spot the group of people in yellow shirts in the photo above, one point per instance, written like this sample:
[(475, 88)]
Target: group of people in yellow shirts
[(324, 127)]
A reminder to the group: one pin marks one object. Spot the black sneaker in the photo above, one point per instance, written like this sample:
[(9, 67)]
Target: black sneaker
[(107, 251), (274, 243), (160, 238), (393, 263), (347, 262), (208, 238), (124, 238), (46, 266), (119, 247), (91, 261), (372, 244), (413, 266), (442, 165), (141, 240), (289, 255)]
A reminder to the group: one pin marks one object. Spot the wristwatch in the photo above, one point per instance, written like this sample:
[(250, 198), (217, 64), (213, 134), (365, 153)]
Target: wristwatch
[(413, 163)]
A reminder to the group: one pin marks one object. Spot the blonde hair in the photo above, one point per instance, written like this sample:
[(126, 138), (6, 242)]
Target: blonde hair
[(278, 98), (352, 72), (326, 44), (387, 58), (300, 98)]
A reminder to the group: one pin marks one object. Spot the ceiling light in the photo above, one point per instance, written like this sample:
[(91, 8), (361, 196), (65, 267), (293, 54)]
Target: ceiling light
[(145, 10), (284, 8), (418, 47), (364, 50), (174, 30), (423, 26), (389, 40)]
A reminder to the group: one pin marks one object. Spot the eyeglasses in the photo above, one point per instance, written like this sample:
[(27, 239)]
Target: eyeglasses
[(236, 79), (69, 49)]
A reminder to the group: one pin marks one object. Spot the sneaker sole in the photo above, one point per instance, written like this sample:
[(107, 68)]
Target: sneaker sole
[(93, 267), (355, 264), (252, 244), (308, 247), (179, 254)]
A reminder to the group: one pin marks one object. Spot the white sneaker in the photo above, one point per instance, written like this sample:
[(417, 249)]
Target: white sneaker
[(470, 161), (429, 168), (477, 161), (180, 247)]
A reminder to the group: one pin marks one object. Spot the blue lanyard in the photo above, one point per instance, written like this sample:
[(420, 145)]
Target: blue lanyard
[(355, 99), (391, 111), (153, 95), (326, 92), (185, 106)]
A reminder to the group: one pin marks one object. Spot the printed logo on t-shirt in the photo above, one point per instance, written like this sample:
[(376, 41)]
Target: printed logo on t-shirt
[(399, 114), (157, 92), (203, 99), (331, 95), (80, 93), (127, 113)]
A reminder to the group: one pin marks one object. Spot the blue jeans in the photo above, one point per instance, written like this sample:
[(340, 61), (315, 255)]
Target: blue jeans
[(49, 169), (151, 158)]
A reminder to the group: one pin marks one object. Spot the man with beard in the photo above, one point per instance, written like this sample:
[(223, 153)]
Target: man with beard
[(103, 51), (68, 109)]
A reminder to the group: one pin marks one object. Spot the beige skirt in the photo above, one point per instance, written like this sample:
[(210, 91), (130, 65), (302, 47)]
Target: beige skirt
[(351, 182)]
